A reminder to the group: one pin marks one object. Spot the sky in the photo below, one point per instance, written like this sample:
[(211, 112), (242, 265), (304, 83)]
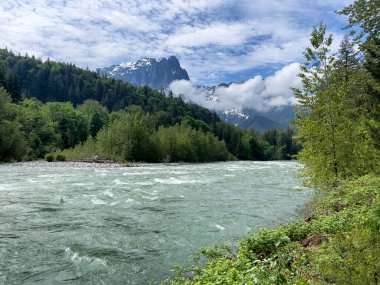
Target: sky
[(215, 40)]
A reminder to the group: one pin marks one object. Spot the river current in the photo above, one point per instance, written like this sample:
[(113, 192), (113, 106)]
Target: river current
[(75, 225)]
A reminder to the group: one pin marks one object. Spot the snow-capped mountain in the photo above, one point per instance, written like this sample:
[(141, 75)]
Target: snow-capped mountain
[(150, 72), (249, 118), (159, 74)]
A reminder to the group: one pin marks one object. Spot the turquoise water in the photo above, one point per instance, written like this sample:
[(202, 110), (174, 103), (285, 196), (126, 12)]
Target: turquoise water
[(64, 225)]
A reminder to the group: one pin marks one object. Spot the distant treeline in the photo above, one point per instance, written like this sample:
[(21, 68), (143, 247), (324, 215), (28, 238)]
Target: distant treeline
[(49, 106)]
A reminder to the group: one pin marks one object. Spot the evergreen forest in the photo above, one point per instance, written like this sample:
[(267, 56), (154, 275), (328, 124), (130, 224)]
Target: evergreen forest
[(54, 109)]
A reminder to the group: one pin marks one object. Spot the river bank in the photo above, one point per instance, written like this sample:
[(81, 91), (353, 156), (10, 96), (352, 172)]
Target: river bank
[(83, 164), (338, 244)]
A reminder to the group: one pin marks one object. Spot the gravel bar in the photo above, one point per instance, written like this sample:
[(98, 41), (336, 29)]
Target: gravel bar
[(81, 164)]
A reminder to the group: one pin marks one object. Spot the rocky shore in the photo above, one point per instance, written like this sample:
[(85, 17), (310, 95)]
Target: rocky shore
[(57, 164), (80, 164)]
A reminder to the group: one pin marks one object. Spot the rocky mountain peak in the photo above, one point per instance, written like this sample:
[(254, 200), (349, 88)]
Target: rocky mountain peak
[(150, 72)]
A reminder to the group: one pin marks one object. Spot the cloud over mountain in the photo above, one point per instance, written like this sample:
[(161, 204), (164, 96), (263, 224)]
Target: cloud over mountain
[(257, 93)]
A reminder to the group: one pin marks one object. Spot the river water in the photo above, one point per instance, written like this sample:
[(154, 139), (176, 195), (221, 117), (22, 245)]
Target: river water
[(65, 225)]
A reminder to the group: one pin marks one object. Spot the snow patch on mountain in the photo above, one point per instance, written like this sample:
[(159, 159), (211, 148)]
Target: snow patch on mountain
[(150, 72), (236, 112)]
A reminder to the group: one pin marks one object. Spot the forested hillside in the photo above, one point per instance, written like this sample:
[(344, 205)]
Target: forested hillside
[(51, 106), (49, 81)]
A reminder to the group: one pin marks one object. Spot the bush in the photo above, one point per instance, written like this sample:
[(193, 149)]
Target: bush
[(49, 157), (61, 157), (340, 244)]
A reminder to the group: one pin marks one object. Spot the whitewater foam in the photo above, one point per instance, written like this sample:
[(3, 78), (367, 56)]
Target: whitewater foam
[(130, 200), (119, 182), (97, 201), (76, 258), (220, 227), (175, 181), (108, 193), (150, 198)]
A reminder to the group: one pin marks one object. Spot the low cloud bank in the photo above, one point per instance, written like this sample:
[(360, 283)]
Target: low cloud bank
[(259, 93)]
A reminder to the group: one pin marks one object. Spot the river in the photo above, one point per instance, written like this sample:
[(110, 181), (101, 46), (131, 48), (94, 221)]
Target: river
[(89, 225)]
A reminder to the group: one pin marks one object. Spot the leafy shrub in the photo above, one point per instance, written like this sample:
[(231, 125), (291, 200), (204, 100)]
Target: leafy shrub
[(339, 245), (49, 157), (61, 157)]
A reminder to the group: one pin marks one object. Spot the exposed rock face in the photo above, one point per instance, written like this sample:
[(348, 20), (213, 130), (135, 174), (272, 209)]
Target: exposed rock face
[(150, 72)]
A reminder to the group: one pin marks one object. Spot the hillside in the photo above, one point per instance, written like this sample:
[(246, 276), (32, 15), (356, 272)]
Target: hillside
[(49, 81), (41, 125)]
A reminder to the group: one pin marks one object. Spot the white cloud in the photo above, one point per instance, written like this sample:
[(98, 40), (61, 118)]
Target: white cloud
[(258, 93), (214, 39), (223, 34)]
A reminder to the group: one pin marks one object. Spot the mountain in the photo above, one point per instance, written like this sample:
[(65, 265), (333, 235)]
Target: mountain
[(249, 118), (246, 118), (156, 74), (254, 121), (52, 81)]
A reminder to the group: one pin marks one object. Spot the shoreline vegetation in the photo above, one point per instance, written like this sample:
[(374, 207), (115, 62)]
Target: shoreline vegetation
[(51, 107), (338, 242), (337, 140), (338, 126)]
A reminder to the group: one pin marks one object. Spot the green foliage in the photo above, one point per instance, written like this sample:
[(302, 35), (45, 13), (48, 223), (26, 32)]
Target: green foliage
[(96, 115), (12, 139), (72, 125), (280, 144), (58, 82), (60, 157), (11, 83), (129, 138), (366, 15), (351, 258), (182, 143), (49, 157), (339, 245), (60, 126), (338, 127), (334, 116), (41, 131)]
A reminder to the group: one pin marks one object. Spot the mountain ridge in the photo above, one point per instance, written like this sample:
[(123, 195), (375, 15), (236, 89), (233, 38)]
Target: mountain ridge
[(160, 73), (156, 74)]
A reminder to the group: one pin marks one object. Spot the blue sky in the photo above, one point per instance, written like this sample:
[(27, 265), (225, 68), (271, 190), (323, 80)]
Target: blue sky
[(215, 40)]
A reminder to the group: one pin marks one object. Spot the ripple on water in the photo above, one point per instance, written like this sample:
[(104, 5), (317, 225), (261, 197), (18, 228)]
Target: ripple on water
[(150, 198), (145, 183), (133, 201), (220, 227), (89, 239), (83, 259), (119, 182), (176, 181), (108, 193), (141, 173), (97, 201)]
